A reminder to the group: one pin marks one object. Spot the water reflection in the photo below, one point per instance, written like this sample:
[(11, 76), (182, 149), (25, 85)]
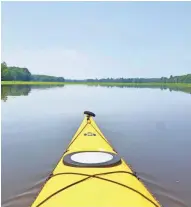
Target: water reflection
[(162, 87), (16, 90), (22, 90), (25, 90)]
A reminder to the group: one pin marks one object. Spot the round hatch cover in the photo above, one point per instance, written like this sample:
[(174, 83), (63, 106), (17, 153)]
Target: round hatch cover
[(91, 159)]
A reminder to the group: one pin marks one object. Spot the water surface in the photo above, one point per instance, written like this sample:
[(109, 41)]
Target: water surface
[(150, 128)]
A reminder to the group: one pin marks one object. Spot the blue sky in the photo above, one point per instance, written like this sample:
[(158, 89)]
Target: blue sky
[(98, 39)]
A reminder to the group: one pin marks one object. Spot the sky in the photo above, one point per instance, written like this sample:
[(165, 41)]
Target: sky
[(98, 39)]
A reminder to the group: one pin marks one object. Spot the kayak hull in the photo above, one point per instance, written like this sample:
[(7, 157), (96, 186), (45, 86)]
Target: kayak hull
[(91, 173)]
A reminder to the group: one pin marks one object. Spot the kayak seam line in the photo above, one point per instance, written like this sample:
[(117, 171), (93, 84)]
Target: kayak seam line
[(103, 138), (100, 134), (96, 176), (76, 137)]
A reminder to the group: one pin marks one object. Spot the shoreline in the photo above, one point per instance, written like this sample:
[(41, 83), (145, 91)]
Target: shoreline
[(95, 83)]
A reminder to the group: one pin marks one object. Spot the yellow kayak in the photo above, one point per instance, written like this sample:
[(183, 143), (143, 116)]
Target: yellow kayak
[(92, 174)]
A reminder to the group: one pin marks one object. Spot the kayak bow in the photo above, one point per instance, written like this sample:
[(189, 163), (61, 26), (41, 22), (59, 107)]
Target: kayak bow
[(91, 173)]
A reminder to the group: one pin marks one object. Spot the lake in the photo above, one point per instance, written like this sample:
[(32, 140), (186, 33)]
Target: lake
[(149, 127)]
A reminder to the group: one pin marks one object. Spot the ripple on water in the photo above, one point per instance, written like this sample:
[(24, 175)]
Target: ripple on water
[(167, 197), (26, 198)]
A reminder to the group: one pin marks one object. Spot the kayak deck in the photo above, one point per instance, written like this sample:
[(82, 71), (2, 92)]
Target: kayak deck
[(91, 173)]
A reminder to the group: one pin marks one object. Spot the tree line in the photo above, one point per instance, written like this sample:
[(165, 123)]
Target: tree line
[(171, 79), (23, 74)]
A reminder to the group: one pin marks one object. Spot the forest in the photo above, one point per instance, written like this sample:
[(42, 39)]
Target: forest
[(23, 74)]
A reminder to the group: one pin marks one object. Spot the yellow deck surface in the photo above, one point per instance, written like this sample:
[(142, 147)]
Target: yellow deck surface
[(93, 191)]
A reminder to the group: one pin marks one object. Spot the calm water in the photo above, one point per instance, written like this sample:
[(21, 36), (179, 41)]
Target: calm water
[(150, 128)]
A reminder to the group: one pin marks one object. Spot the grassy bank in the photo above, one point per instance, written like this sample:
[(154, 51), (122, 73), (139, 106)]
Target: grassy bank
[(30, 83), (142, 84), (96, 83)]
